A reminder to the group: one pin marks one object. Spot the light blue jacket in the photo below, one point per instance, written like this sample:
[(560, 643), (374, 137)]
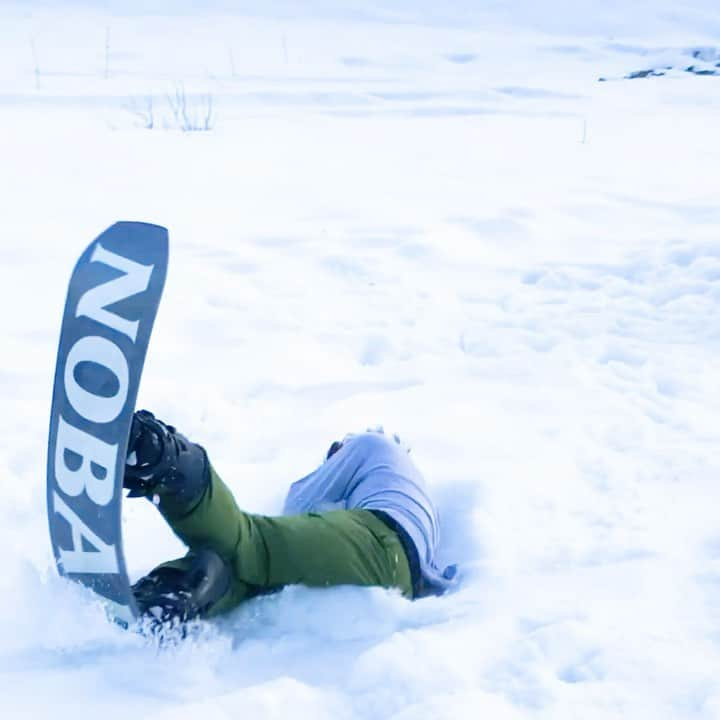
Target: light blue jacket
[(373, 471)]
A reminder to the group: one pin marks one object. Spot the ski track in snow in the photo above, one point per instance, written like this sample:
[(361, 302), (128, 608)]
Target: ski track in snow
[(431, 218)]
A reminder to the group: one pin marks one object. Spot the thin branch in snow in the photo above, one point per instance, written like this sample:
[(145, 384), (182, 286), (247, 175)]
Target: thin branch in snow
[(107, 52), (36, 63), (189, 115), (143, 108), (209, 114), (231, 57), (177, 106)]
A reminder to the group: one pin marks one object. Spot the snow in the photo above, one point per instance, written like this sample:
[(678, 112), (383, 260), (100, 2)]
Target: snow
[(430, 216)]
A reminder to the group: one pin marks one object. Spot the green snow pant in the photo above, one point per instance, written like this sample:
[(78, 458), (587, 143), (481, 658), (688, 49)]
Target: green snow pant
[(342, 547)]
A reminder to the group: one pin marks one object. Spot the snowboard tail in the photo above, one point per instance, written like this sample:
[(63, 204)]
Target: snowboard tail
[(111, 305)]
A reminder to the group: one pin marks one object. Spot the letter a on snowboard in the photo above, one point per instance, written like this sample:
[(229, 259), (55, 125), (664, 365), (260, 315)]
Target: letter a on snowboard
[(111, 305)]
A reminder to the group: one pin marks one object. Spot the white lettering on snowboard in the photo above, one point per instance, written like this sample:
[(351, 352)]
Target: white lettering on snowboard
[(92, 452), (93, 468), (101, 561), (98, 350), (94, 302)]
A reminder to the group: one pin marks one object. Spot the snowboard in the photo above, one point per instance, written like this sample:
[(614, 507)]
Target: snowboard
[(112, 301)]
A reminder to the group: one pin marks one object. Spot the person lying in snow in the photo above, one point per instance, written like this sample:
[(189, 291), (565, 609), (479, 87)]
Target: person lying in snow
[(362, 518)]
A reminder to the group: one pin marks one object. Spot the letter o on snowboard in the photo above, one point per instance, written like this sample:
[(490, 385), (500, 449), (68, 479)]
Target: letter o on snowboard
[(94, 407)]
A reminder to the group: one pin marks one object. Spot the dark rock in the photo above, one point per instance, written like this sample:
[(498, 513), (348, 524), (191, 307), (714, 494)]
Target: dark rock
[(643, 74)]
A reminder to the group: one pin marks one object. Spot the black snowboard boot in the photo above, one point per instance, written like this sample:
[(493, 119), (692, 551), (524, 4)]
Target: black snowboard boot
[(163, 462), (182, 590)]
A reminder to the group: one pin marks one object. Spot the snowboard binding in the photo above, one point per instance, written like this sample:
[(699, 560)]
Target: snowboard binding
[(162, 462), (181, 591)]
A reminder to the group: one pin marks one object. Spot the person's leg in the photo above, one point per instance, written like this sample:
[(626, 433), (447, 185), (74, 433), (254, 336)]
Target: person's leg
[(344, 547), (262, 553)]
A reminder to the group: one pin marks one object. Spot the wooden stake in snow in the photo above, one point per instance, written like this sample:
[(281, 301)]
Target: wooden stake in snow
[(107, 52), (35, 63)]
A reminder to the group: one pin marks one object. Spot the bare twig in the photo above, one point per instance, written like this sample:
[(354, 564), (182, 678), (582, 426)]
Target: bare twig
[(176, 105), (143, 108), (209, 112), (191, 116), (35, 63), (107, 52), (231, 56)]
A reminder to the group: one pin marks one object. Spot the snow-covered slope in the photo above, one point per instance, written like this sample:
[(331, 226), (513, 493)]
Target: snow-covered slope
[(434, 218)]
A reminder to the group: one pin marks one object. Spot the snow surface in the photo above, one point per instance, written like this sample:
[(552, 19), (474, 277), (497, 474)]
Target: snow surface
[(427, 215)]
